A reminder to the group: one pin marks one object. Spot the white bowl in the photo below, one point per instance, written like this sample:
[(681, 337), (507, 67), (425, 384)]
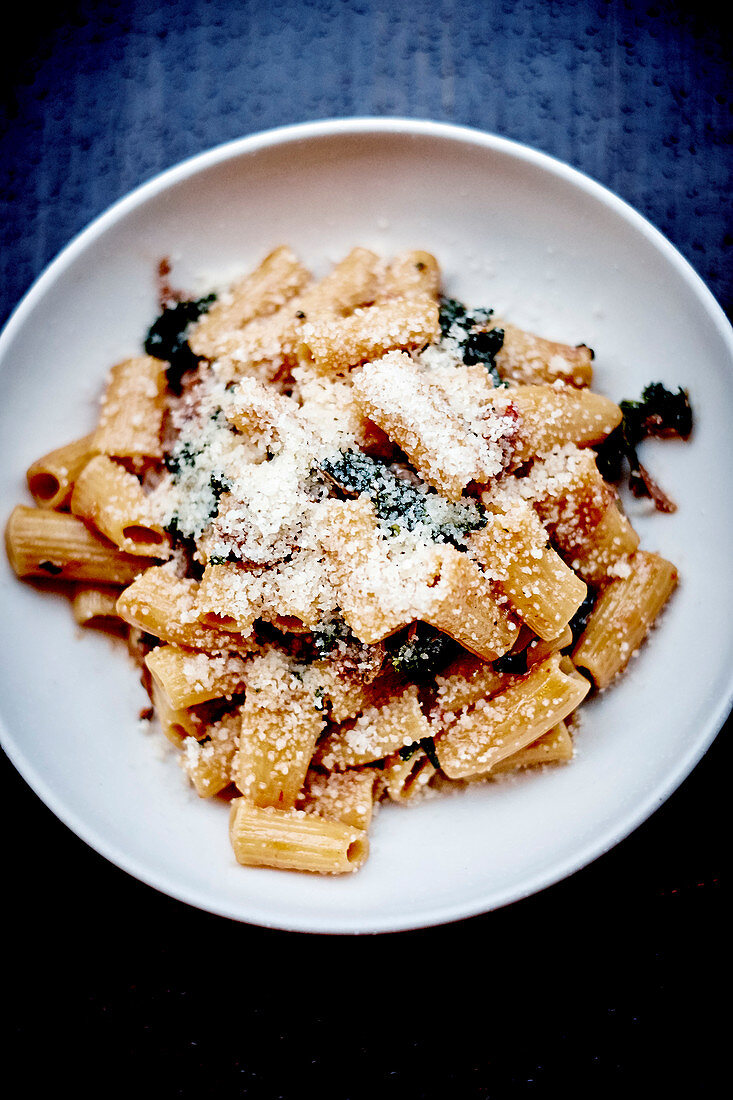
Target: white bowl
[(514, 229)]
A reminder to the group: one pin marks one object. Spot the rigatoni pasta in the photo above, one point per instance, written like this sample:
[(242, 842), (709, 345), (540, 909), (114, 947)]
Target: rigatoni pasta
[(292, 840), (45, 543), (52, 477), (94, 604), (131, 421), (623, 614), (359, 540), (112, 499)]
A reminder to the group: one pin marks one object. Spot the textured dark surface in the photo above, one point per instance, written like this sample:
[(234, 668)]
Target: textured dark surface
[(610, 978), (636, 95)]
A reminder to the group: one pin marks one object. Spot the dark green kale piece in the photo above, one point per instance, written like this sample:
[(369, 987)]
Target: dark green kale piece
[(185, 455), (427, 744), (421, 652), (579, 621), (328, 635), (355, 472), (512, 663), (663, 412), (167, 338), (174, 530), (219, 485), (180, 540), (183, 460), (660, 412), (468, 329), (481, 347), (398, 503), (453, 312)]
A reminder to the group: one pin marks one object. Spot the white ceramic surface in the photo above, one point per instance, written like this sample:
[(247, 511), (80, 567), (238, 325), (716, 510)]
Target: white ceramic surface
[(514, 229)]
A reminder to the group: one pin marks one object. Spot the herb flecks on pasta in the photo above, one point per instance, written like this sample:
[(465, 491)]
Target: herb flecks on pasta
[(359, 541)]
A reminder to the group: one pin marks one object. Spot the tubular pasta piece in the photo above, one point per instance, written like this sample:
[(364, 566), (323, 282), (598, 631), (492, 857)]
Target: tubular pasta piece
[(611, 539), (459, 601), (208, 762), (293, 840), (352, 282), (378, 731), (273, 283), (112, 499), (95, 604), (581, 512), (346, 796), (554, 747), (369, 588), (465, 681), (232, 596), (415, 413), (228, 597), (527, 358), (131, 420), (554, 415), (43, 543), (333, 345), (296, 592), (281, 721), (409, 274), (344, 690), (490, 730), (51, 478), (179, 724), (512, 548), (261, 412), (188, 677), (623, 616), (569, 494), (164, 605)]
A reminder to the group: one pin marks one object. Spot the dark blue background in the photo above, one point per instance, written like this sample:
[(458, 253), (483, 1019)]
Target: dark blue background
[(107, 94), (608, 978)]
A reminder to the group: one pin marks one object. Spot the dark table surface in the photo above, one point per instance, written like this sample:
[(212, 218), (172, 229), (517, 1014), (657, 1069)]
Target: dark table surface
[(610, 978)]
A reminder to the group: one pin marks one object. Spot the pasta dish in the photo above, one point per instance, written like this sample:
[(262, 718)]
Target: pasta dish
[(363, 540)]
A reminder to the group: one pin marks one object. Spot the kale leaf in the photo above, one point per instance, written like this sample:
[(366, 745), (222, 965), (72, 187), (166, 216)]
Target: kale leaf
[(427, 744), (512, 663), (399, 503), (476, 343), (453, 312), (219, 484), (422, 652), (167, 338), (182, 456), (660, 412), (579, 621), (327, 636)]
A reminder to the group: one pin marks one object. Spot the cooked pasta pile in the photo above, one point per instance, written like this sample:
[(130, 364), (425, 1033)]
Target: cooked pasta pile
[(357, 537)]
